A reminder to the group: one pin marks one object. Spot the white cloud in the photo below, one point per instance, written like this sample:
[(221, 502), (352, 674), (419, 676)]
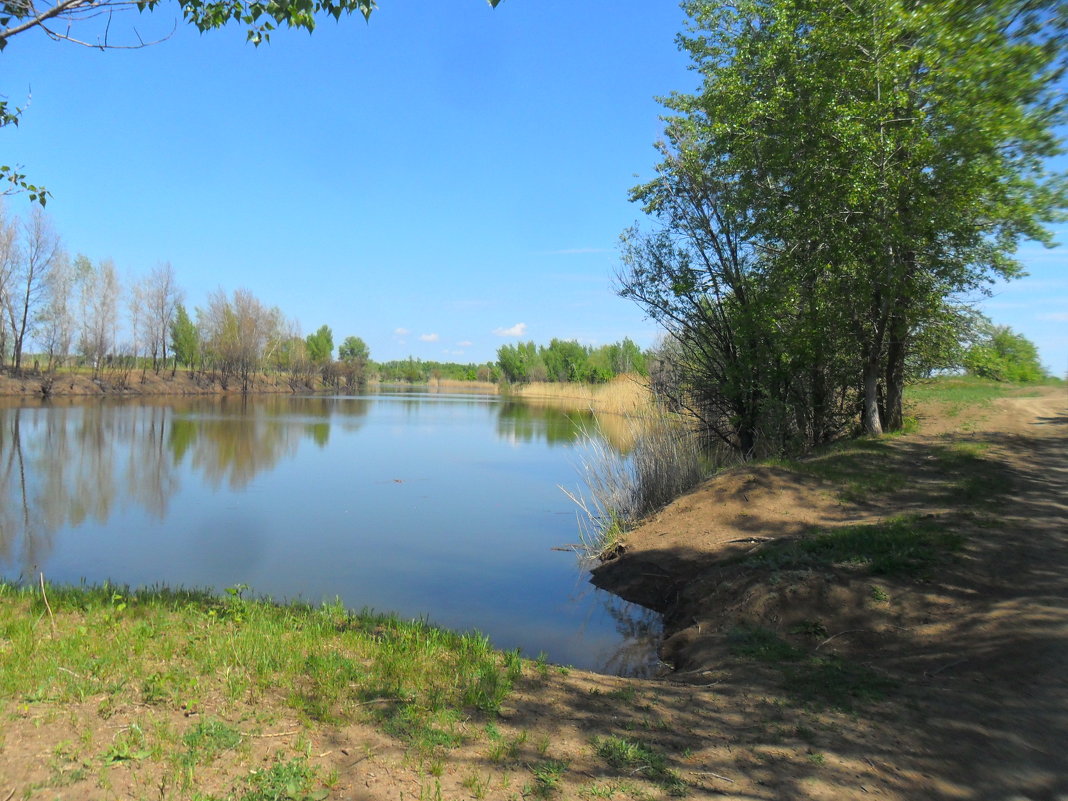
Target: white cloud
[(516, 330), (429, 337), (401, 332), (465, 344)]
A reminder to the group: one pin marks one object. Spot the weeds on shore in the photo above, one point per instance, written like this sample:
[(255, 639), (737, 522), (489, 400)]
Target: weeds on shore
[(639, 758), (666, 461), (812, 678), (900, 546), (178, 650)]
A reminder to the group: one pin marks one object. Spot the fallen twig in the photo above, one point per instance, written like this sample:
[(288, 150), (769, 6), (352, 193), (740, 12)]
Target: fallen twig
[(51, 617), (839, 634), (710, 773), (854, 631), (944, 667), (278, 734)]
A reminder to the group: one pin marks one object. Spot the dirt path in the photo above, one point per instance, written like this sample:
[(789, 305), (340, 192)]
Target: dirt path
[(977, 651)]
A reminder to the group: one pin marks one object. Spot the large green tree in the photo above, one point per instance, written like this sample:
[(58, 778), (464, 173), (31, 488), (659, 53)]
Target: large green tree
[(1003, 355), (844, 171), (321, 345), (185, 338)]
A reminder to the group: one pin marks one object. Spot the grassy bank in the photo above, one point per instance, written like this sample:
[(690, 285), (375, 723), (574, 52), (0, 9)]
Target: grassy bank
[(201, 682), (160, 694)]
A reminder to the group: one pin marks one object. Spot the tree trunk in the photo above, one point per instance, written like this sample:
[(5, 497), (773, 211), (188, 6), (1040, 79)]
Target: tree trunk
[(893, 418), (870, 413)]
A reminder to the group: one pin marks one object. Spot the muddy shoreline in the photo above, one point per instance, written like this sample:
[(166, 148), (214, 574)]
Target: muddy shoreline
[(135, 383), (688, 563)]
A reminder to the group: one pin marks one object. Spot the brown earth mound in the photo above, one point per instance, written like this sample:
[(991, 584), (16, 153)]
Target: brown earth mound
[(971, 630)]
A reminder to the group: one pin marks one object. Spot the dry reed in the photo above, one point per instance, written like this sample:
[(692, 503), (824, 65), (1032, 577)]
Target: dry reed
[(666, 461)]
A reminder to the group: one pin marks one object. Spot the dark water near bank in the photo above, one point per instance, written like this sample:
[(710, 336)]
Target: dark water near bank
[(437, 506)]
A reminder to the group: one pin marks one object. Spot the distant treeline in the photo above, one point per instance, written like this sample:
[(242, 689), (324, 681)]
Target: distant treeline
[(417, 371), (567, 360), (560, 361)]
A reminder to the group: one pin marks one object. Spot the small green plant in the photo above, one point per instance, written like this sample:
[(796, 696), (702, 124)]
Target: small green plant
[(636, 757), (476, 784), (209, 738), (626, 695), (878, 594), (541, 664), (809, 628), (291, 780), (755, 642), (503, 750), (547, 776), (129, 745)]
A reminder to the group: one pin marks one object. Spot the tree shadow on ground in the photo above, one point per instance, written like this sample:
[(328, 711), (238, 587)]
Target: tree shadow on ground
[(973, 646)]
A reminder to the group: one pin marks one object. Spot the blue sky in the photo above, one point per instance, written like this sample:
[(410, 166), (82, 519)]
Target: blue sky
[(438, 181)]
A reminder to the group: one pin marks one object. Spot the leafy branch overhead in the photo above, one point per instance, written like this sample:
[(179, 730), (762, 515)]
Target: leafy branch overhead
[(60, 20), (57, 20)]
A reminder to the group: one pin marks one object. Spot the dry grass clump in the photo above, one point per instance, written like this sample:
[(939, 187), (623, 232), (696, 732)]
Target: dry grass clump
[(666, 461), (623, 395)]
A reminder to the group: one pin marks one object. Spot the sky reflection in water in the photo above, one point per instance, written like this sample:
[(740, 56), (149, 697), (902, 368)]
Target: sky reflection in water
[(445, 507)]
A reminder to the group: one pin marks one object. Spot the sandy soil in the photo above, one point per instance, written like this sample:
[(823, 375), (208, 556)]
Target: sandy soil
[(975, 657), (979, 649)]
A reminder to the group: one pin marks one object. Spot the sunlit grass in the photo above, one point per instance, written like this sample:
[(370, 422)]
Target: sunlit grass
[(186, 650), (902, 546), (623, 395)]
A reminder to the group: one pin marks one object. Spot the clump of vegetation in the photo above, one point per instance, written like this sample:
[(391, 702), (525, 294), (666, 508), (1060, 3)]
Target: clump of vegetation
[(1004, 355), (900, 546), (666, 461), (810, 677), (640, 758)]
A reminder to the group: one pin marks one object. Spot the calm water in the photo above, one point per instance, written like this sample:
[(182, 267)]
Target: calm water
[(445, 507)]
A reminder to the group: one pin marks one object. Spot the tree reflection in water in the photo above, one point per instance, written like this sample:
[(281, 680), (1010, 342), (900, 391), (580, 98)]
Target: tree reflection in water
[(65, 463), (640, 630)]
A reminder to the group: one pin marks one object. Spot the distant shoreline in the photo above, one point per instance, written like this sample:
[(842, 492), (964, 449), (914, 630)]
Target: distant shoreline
[(133, 384)]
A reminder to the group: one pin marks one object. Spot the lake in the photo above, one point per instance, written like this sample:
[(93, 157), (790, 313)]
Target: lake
[(445, 507)]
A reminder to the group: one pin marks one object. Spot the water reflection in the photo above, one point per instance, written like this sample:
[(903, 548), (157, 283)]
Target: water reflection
[(520, 422), (445, 507), (63, 465)]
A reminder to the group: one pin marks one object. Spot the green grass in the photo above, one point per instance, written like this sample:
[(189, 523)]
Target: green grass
[(900, 546), (810, 677), (181, 650), (547, 776), (638, 758), (290, 780), (959, 391), (859, 468), (208, 739)]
